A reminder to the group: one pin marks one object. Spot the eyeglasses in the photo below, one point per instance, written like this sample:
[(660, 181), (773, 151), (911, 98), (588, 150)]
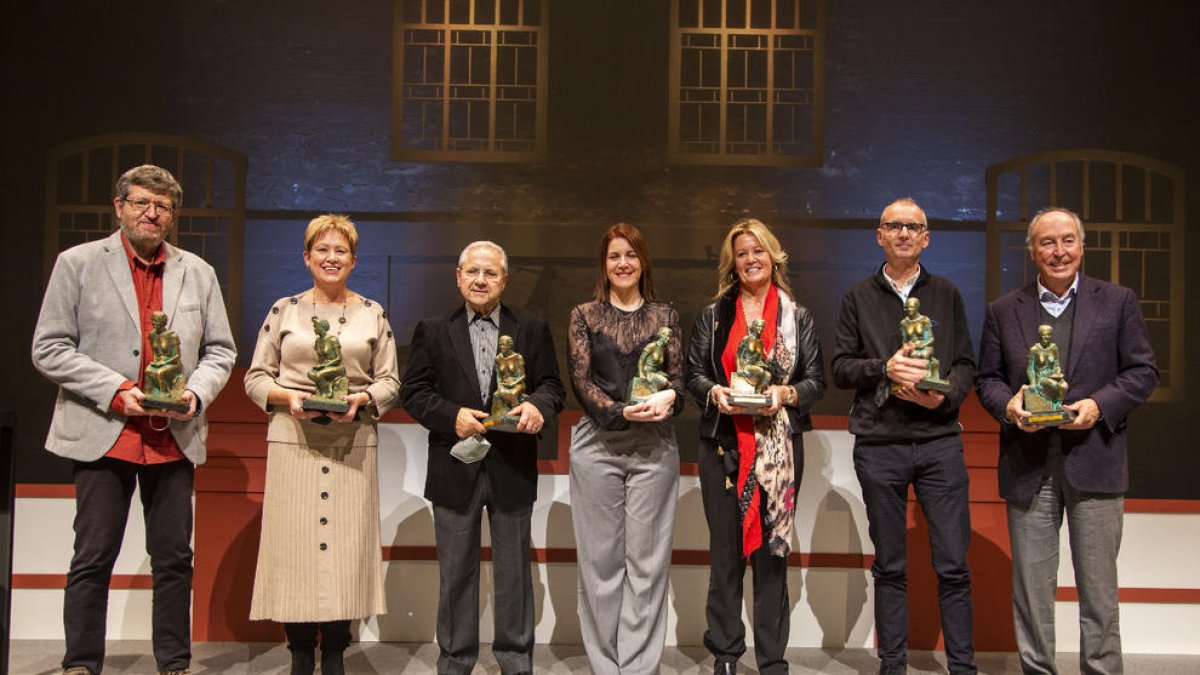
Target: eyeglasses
[(143, 205), (488, 275), (894, 227)]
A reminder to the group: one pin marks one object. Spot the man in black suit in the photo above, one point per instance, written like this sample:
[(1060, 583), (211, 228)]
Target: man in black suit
[(1080, 468), (448, 385)]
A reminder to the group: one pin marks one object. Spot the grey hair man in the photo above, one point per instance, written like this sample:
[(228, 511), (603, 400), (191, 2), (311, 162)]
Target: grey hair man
[(1079, 469), (92, 340)]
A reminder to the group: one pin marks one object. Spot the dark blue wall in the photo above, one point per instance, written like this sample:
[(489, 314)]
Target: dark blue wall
[(921, 98)]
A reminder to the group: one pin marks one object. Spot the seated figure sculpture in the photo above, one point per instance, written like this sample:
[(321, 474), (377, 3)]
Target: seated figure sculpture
[(329, 373), (164, 376), (1047, 387), (749, 382), (510, 386), (650, 377), (916, 331)]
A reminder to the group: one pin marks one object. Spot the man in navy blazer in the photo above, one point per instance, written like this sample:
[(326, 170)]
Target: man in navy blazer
[(448, 386), (1080, 467)]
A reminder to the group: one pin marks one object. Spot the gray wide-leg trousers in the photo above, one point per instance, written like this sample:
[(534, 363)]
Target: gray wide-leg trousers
[(623, 490)]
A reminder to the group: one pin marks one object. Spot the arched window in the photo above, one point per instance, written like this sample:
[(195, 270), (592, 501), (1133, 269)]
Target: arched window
[(79, 191), (1132, 208)]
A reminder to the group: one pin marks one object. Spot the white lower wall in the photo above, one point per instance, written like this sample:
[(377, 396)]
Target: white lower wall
[(830, 607)]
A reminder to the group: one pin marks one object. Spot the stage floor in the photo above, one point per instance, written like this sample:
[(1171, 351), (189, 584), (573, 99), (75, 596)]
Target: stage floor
[(130, 657)]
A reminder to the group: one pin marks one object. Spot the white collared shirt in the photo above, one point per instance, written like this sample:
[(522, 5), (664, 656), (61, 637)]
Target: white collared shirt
[(1053, 303), (903, 289)]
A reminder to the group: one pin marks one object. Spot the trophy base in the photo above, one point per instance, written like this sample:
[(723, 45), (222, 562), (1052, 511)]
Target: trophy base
[(934, 385), (751, 402), (926, 385), (324, 405), (165, 404), (505, 423), (1050, 418)]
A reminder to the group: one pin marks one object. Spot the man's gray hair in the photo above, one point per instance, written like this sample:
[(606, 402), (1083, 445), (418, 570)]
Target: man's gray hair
[(462, 257), (153, 178), (1054, 209)]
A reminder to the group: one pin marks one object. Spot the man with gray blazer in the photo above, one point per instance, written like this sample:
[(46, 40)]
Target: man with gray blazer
[(1078, 469), (93, 340)]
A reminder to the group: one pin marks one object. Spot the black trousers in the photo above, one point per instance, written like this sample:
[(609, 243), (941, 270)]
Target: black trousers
[(938, 475), (103, 490), (725, 636), (335, 636)]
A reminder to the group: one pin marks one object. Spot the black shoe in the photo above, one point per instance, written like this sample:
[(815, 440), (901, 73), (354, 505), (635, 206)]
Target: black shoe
[(893, 668), (725, 668), (331, 663)]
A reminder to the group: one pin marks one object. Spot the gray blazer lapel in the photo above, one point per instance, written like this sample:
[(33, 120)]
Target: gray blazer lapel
[(117, 264)]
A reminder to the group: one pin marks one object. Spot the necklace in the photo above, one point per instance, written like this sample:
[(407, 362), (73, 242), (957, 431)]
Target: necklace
[(341, 319)]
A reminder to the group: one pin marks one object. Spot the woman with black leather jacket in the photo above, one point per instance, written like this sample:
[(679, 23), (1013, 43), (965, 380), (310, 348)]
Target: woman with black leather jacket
[(750, 465)]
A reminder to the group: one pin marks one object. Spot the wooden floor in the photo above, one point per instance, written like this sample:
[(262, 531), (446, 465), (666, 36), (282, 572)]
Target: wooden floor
[(42, 657)]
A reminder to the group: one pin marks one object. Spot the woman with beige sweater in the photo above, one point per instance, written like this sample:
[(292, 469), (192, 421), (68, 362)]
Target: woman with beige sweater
[(319, 558)]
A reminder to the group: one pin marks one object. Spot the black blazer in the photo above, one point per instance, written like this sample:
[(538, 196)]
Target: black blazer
[(441, 379), (1110, 361)]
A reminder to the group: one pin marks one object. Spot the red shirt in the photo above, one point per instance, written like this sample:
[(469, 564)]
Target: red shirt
[(139, 441)]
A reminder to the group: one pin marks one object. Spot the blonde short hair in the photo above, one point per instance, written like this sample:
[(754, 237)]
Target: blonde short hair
[(331, 222)]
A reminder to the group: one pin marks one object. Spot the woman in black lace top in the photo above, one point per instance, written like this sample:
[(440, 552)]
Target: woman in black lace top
[(624, 460)]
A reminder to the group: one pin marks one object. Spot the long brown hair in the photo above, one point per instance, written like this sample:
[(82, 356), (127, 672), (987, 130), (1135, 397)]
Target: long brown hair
[(638, 243)]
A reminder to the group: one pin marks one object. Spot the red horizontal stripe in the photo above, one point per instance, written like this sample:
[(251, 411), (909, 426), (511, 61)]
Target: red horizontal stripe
[(548, 467), (1186, 596), (1182, 596), (59, 581), (1162, 506), (45, 490)]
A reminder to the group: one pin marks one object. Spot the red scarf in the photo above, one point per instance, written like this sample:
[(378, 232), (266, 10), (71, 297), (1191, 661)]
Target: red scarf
[(744, 424)]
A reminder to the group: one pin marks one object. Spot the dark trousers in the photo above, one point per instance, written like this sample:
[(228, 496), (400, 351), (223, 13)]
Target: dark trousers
[(457, 531), (103, 490), (302, 637), (938, 475), (725, 636)]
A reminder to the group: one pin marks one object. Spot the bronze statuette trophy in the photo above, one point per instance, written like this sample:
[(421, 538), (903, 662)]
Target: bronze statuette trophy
[(510, 387), (1047, 388), (749, 382), (329, 375), (164, 376), (916, 330), (650, 378)]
